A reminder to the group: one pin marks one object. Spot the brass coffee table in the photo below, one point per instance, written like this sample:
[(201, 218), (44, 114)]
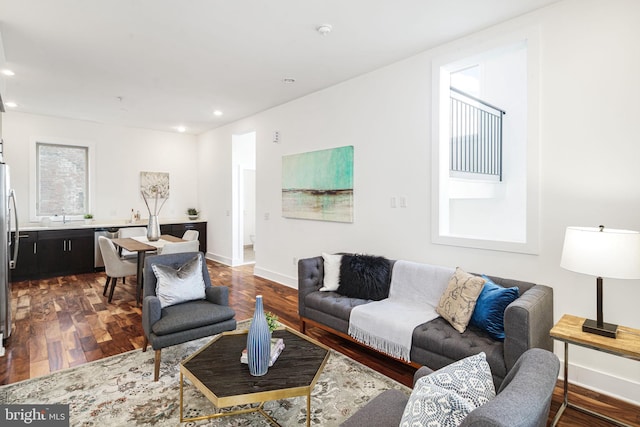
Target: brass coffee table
[(215, 370)]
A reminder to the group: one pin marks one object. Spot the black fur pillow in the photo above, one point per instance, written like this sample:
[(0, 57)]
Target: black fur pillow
[(364, 276)]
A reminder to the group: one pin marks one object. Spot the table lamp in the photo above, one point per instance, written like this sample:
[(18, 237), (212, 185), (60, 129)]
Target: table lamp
[(601, 252)]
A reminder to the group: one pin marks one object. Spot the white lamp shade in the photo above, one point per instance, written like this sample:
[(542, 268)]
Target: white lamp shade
[(603, 253)]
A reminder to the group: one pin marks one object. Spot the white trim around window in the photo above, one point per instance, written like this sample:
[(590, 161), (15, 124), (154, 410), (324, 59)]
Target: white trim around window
[(460, 51), (33, 193)]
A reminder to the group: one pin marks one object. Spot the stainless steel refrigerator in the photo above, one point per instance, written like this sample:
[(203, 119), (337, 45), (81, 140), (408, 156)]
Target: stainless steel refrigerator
[(8, 249)]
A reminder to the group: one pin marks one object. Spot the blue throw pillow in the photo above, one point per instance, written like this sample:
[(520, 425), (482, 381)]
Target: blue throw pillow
[(489, 312)]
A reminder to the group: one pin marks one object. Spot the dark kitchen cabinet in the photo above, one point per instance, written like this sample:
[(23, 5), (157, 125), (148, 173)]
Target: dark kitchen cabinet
[(65, 252), (27, 262), (49, 253)]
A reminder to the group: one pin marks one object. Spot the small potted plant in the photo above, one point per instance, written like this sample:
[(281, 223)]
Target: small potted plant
[(272, 321), (193, 213), (88, 218)]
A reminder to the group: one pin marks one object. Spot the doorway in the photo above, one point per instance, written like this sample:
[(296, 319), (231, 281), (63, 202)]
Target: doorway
[(244, 198)]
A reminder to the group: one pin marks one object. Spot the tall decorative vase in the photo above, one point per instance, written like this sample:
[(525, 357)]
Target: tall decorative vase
[(259, 342), (153, 230)]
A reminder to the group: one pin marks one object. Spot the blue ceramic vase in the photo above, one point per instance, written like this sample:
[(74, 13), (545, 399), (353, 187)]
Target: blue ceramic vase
[(259, 342)]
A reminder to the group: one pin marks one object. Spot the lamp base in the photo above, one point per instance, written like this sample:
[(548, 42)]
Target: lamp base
[(606, 330)]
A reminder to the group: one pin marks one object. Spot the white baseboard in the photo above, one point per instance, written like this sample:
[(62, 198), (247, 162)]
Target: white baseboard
[(219, 258), (281, 279), (231, 262), (289, 281), (617, 387)]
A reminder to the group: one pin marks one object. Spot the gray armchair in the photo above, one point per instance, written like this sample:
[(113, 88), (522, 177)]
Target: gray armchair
[(176, 324), (523, 400)]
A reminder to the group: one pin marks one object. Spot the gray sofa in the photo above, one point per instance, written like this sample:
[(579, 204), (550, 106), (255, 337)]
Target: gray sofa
[(523, 399), (436, 344)]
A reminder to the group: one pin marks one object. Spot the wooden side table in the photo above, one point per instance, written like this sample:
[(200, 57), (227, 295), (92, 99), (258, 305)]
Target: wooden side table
[(569, 330)]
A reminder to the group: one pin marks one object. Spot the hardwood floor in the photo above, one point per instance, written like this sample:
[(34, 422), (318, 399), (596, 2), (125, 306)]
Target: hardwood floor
[(65, 321)]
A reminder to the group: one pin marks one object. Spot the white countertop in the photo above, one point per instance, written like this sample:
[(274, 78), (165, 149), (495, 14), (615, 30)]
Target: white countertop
[(70, 225)]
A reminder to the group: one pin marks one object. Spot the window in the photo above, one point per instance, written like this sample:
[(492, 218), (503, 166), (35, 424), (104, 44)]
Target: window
[(485, 173), (475, 129), (62, 179)]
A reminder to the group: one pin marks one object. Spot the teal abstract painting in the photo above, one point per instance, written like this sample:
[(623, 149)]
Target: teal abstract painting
[(318, 185)]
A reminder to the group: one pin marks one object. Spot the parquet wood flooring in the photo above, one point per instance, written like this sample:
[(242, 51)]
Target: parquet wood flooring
[(65, 322)]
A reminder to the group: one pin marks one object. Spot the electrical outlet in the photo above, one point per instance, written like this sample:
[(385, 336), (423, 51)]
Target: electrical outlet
[(403, 201), (295, 261), (393, 202), (266, 216)]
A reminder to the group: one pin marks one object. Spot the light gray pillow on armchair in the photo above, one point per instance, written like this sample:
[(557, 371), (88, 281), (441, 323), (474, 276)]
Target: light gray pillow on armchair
[(181, 285)]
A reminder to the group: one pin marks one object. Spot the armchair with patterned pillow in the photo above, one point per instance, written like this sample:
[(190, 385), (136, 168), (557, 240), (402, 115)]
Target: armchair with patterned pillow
[(463, 394)]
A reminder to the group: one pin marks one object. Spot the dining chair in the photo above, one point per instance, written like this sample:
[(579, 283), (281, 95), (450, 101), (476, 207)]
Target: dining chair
[(191, 235), (114, 266), (130, 232), (178, 247)]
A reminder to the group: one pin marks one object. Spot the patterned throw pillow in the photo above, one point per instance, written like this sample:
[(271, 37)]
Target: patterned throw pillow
[(459, 299), (448, 395), (433, 406), (470, 378)]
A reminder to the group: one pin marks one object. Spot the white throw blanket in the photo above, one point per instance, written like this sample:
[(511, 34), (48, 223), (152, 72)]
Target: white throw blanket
[(388, 325)]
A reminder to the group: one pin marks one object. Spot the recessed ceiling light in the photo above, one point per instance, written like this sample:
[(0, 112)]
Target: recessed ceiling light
[(324, 29), (217, 113), (181, 129), (7, 72), (288, 81), (10, 104)]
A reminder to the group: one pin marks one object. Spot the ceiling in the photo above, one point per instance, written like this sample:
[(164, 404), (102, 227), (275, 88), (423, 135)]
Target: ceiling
[(159, 64)]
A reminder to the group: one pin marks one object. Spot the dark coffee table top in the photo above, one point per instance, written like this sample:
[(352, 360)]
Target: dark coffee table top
[(217, 372)]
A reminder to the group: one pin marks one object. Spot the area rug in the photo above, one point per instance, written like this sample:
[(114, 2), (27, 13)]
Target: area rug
[(120, 391)]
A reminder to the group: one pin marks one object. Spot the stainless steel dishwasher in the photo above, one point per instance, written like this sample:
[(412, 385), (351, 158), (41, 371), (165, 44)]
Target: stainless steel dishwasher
[(111, 233)]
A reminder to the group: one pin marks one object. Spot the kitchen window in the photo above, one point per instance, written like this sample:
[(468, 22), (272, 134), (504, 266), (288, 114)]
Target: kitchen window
[(62, 180)]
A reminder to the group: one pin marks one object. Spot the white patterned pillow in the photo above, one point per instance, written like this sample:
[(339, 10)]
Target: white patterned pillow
[(433, 406), (446, 396), (470, 378)]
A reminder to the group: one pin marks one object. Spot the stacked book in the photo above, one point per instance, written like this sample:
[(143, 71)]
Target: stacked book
[(277, 345)]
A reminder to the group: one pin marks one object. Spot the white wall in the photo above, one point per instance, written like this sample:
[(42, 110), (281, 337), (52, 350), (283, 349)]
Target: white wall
[(120, 155), (589, 152)]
